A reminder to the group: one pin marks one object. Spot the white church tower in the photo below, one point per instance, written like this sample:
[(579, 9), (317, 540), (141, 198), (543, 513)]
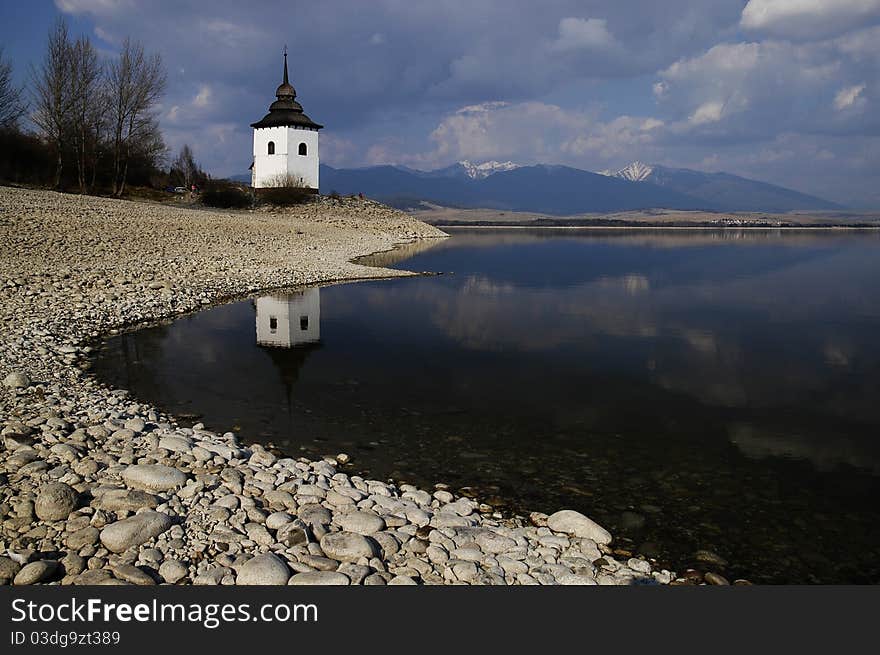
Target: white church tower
[(285, 141)]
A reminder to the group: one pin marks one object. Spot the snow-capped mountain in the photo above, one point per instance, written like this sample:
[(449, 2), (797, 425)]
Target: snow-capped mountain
[(634, 172), (565, 190), (487, 168), (721, 191)]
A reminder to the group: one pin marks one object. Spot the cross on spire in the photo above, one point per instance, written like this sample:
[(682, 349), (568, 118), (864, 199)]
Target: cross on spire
[(285, 64)]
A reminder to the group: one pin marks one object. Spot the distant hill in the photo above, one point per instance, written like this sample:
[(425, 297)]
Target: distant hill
[(556, 190), (727, 192), (563, 190)]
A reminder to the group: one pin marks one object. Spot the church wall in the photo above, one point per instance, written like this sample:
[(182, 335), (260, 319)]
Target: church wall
[(305, 167), (286, 158), (267, 166)]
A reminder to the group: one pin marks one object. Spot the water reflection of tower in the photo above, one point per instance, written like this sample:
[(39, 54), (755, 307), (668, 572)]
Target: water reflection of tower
[(288, 331), (290, 320)]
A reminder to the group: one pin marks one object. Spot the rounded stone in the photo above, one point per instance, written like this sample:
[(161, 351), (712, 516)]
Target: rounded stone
[(323, 578), (87, 536), (402, 580), (347, 546), (153, 477), (8, 569), (291, 534), (172, 571), (265, 569), (132, 575), (176, 443), (715, 579), (17, 380), (710, 557), (125, 500), (494, 543), (313, 514), (278, 519), (135, 424), (35, 572), (574, 523), (135, 530), (364, 523), (55, 501)]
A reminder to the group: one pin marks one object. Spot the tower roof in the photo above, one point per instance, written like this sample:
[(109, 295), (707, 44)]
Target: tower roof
[(286, 111)]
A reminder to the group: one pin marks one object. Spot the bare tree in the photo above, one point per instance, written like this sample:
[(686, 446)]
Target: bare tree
[(185, 166), (52, 97), (87, 108), (136, 84), (12, 107)]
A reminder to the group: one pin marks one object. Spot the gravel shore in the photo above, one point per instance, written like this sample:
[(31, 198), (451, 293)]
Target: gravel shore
[(97, 488)]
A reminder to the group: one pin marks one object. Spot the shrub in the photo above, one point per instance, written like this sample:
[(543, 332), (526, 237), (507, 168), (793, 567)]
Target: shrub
[(285, 190), (226, 197)]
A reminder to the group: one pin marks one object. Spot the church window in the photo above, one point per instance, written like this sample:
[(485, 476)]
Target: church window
[(303, 149), (303, 323), (273, 323), (271, 147)]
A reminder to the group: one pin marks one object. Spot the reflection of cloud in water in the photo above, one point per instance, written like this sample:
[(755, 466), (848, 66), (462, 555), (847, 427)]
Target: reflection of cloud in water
[(702, 341), (486, 287), (825, 451), (753, 340), (838, 354)]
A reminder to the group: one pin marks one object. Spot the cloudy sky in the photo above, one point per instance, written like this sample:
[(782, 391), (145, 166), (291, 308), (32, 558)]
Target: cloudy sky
[(785, 91)]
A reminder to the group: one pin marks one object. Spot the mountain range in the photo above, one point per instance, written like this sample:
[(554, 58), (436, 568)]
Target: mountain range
[(563, 190)]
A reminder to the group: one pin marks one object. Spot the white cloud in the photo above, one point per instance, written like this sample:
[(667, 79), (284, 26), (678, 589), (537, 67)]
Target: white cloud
[(804, 19), (863, 46), (580, 33), (107, 37), (758, 90), (709, 112), (529, 132), (377, 39), (848, 96), (94, 7), (203, 97), (230, 34)]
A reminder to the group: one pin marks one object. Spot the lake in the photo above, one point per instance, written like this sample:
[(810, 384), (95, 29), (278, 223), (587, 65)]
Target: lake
[(687, 389)]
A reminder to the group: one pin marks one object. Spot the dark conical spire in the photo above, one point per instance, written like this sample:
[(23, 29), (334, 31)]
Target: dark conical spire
[(286, 90), (286, 110)]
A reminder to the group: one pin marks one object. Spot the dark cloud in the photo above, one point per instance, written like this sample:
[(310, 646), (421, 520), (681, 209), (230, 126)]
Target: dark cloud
[(389, 78)]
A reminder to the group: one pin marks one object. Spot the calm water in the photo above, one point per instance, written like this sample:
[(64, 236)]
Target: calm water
[(687, 389)]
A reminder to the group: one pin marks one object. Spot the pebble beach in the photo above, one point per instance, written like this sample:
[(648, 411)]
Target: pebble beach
[(97, 487)]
